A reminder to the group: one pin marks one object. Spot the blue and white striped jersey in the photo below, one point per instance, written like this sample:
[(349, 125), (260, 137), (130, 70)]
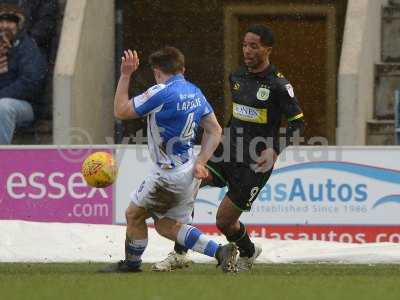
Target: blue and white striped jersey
[(174, 111)]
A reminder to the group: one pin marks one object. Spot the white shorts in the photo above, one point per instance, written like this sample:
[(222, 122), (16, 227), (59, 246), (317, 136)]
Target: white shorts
[(169, 193)]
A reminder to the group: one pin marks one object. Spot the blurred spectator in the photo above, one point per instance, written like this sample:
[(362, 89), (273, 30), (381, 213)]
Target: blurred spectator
[(42, 17), (41, 21), (22, 75)]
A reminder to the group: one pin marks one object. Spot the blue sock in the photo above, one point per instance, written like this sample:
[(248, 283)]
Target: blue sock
[(193, 238), (133, 252)]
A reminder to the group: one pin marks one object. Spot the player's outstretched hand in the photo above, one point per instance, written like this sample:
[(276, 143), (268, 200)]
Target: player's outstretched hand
[(266, 161), (200, 171), (130, 62)]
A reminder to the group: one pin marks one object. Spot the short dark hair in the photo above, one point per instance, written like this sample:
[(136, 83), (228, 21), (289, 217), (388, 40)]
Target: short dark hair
[(169, 60), (265, 33)]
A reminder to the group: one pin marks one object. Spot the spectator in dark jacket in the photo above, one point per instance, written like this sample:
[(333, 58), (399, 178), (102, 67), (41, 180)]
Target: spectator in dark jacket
[(41, 20), (22, 72)]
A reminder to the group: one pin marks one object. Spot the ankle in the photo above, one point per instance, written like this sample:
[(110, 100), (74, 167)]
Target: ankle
[(217, 254), (247, 251)]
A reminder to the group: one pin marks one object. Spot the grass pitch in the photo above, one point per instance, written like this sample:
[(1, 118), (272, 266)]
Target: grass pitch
[(295, 281)]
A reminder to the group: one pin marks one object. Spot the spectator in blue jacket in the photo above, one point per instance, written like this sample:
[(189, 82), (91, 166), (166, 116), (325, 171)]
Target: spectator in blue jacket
[(41, 21), (23, 71)]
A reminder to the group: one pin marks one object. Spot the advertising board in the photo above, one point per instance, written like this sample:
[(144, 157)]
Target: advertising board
[(46, 185), (347, 194)]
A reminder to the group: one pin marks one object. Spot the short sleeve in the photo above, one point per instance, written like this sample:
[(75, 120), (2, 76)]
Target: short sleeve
[(150, 100), (207, 109), (288, 102)]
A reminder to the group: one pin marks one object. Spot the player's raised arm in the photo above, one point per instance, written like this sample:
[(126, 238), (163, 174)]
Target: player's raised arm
[(123, 107), (211, 138)]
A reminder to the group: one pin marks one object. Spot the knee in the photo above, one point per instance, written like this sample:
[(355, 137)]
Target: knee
[(134, 216), (6, 107)]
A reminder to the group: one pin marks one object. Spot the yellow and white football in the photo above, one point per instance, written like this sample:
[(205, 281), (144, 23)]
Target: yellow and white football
[(99, 169)]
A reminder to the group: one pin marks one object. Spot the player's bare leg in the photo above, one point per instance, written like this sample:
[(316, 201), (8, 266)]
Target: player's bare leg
[(135, 241), (228, 223), (192, 238), (177, 259)]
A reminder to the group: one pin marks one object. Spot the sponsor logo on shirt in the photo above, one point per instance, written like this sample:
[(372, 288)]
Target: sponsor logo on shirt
[(250, 114)]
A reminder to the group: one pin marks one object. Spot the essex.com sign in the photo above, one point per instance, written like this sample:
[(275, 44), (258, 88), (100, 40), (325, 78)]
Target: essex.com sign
[(46, 185), (349, 194)]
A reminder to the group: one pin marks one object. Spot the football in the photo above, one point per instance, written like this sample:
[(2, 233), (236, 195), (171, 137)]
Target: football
[(99, 169)]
